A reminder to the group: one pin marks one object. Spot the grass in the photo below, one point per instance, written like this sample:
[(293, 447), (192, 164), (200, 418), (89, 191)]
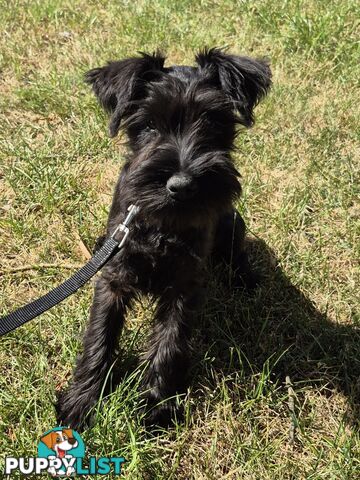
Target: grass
[(300, 166)]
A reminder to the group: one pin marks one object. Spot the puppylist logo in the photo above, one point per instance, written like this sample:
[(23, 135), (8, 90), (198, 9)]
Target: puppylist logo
[(61, 451)]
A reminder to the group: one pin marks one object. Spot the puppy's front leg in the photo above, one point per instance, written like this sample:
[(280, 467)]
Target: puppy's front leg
[(168, 356), (100, 340)]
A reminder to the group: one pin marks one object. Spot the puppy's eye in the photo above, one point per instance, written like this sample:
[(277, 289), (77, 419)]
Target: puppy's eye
[(58, 439)]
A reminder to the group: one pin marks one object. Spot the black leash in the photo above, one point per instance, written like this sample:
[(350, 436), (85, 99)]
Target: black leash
[(72, 284)]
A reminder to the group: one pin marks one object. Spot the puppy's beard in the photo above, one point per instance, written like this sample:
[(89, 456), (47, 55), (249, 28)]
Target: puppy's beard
[(178, 220)]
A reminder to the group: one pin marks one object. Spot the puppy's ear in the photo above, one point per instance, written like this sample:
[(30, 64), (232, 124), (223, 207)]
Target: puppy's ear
[(119, 83), (48, 440), (68, 432), (244, 80)]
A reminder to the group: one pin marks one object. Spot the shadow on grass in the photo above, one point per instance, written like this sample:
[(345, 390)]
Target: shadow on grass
[(277, 324)]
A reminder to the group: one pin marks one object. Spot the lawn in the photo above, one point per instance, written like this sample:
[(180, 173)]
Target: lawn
[(275, 380)]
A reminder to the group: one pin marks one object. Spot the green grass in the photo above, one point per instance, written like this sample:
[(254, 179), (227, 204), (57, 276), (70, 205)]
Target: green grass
[(300, 167)]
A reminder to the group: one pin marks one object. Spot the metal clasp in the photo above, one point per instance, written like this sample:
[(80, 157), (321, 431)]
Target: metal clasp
[(123, 227)]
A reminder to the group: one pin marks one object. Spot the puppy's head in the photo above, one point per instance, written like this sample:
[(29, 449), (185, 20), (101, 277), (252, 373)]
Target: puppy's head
[(181, 124), (60, 440)]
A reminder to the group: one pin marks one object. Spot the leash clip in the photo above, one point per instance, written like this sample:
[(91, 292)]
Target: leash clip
[(123, 227)]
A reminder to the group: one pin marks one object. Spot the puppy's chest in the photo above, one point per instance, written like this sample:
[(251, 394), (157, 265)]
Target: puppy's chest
[(154, 260)]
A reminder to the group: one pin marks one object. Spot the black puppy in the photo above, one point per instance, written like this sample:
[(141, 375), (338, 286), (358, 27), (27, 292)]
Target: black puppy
[(181, 124)]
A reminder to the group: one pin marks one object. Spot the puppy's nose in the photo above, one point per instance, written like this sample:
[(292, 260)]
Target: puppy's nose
[(72, 440), (181, 187)]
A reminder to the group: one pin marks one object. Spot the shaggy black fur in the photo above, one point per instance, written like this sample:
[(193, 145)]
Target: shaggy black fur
[(181, 124)]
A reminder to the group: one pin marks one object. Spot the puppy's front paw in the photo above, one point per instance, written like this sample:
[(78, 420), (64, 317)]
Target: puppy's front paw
[(160, 416), (160, 413), (72, 410)]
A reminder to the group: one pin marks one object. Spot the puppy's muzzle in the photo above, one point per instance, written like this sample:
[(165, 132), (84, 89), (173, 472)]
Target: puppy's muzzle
[(181, 187)]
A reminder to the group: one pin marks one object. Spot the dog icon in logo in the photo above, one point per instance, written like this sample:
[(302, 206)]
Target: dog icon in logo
[(61, 442)]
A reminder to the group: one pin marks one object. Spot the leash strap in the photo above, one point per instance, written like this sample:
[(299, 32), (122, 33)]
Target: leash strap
[(52, 298), (71, 285)]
